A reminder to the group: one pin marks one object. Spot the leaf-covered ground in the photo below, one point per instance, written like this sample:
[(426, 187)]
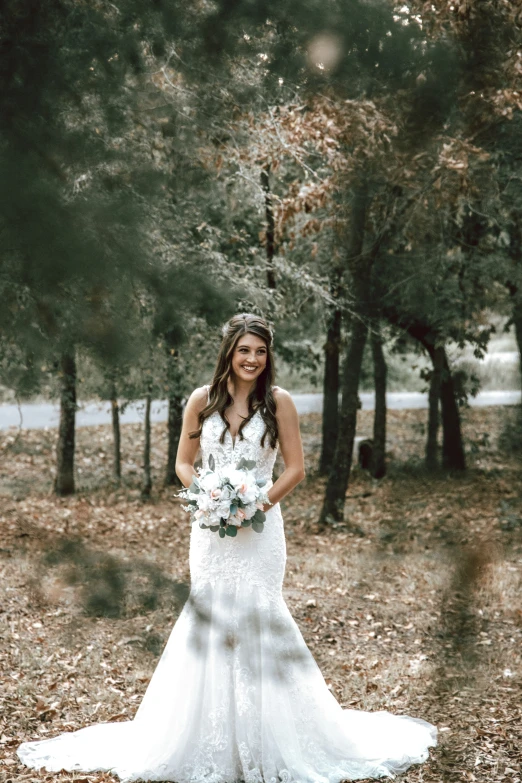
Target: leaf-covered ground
[(413, 606)]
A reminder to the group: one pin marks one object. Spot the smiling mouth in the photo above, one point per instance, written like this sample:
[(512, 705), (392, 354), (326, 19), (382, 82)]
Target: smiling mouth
[(248, 368)]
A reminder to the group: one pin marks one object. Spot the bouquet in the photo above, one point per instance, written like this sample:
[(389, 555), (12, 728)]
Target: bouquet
[(226, 498)]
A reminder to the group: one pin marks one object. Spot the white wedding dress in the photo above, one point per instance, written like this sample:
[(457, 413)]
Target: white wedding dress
[(237, 695)]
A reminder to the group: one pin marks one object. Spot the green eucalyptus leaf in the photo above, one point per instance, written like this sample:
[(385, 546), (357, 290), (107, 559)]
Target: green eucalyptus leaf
[(222, 532), (246, 523), (231, 530), (233, 509), (214, 528), (194, 487), (257, 526), (246, 464), (259, 516)]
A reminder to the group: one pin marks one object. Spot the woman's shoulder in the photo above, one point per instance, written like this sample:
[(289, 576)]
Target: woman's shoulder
[(282, 398), (201, 393), (199, 397)]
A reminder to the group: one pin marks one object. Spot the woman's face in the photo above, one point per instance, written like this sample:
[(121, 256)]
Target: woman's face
[(249, 357)]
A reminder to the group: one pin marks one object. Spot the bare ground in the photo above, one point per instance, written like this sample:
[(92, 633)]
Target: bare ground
[(412, 606)]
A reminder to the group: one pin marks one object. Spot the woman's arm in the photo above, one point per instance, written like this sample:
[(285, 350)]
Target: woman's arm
[(291, 448), (188, 448)]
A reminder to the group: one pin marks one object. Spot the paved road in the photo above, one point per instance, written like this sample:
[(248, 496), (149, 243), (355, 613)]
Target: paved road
[(46, 415)]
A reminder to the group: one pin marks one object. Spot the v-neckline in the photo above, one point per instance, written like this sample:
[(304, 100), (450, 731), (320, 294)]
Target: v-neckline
[(234, 439)]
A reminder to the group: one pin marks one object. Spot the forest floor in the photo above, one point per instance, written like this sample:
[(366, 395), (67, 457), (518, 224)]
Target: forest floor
[(413, 605)]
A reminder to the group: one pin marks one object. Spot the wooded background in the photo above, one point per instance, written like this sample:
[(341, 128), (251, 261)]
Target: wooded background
[(350, 170)]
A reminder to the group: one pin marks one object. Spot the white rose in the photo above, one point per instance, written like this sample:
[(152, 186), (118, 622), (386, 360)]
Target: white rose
[(235, 477), (236, 521), (209, 482), (204, 502), (248, 495), (250, 510), (226, 493), (223, 509)]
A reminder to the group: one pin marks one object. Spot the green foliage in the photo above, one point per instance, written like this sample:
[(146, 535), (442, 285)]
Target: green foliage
[(85, 217), (132, 142)]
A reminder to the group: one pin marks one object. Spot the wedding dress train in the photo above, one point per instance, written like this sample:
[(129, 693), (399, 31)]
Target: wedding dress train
[(237, 695)]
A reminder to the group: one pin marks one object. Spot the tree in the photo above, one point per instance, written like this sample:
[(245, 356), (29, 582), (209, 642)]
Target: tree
[(75, 147), (378, 462), (64, 81), (360, 264), (64, 480)]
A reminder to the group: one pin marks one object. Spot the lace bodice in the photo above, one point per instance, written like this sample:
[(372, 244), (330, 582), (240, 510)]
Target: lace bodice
[(231, 451)]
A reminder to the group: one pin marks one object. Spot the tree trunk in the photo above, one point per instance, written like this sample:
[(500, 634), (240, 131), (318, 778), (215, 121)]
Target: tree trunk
[(452, 447), (517, 322), (378, 464), (330, 393), (64, 482), (147, 480), (174, 432), (270, 226), (360, 267), (175, 418), (333, 506), (453, 457), (116, 435), (432, 459)]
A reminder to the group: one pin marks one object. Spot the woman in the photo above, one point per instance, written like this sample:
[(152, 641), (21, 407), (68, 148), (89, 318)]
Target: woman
[(237, 696)]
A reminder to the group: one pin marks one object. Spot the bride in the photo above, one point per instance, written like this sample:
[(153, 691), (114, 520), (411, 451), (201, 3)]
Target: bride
[(237, 695)]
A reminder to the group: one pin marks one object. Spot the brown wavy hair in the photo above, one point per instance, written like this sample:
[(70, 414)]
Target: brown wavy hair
[(261, 398)]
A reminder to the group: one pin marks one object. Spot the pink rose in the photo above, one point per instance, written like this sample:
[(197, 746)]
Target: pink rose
[(241, 514), (215, 494)]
